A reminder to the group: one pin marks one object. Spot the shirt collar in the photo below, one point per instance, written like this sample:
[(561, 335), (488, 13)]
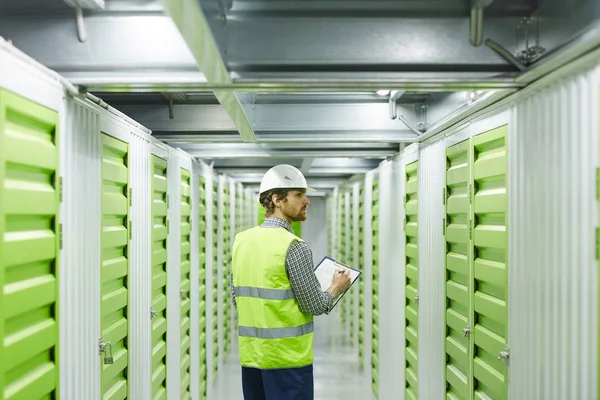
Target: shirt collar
[(274, 222)]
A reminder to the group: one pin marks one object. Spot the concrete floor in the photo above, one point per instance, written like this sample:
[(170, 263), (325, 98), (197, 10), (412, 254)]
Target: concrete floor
[(337, 374)]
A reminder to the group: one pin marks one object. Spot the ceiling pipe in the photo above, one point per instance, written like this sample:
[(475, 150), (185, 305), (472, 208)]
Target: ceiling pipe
[(476, 21), (505, 54), (81, 32), (394, 96)]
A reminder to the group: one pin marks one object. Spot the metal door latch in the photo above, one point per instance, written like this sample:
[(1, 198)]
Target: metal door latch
[(184, 294), (103, 347), (504, 355), (467, 331), (153, 313)]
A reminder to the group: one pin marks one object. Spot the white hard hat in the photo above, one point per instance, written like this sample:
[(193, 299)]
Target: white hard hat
[(284, 176)]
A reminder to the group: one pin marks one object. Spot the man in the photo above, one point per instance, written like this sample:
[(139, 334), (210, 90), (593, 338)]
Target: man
[(277, 294)]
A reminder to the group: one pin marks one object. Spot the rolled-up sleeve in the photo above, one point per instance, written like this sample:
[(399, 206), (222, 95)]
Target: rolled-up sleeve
[(300, 269)]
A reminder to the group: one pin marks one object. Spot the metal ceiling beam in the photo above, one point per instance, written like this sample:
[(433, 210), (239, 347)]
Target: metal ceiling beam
[(306, 164), (326, 117), (399, 136), (181, 82), (213, 151), (369, 9), (272, 123), (191, 22)]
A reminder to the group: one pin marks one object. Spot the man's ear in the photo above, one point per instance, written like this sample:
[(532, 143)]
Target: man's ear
[(275, 198)]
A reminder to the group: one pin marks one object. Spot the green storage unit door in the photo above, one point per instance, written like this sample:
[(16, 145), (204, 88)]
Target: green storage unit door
[(202, 286), (375, 315), (185, 268), (458, 282), (226, 268), (490, 258), (115, 266), (159, 277), (349, 261), (343, 239), (29, 243), (411, 250), (361, 283), (215, 289)]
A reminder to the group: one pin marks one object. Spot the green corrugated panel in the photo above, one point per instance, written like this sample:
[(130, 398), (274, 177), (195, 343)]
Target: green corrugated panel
[(226, 248), (115, 266), (375, 312), (490, 273), (350, 256), (185, 268), (215, 271), (458, 256), (202, 288), (29, 202), (412, 282), (342, 256), (361, 284), (159, 278)]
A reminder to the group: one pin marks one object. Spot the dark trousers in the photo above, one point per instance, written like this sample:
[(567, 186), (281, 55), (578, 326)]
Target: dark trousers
[(278, 384)]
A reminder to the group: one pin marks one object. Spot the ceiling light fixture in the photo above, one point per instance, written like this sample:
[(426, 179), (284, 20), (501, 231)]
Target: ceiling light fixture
[(383, 92)]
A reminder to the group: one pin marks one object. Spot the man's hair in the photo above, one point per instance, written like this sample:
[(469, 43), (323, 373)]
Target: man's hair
[(266, 199)]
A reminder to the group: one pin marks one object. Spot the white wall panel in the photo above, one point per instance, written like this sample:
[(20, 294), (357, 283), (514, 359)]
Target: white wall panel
[(208, 176), (368, 269), (431, 181), (173, 275), (221, 182), (195, 287), (79, 274), (552, 217), (391, 287), (140, 275), (314, 231), (355, 260), (254, 210), (227, 265), (337, 227)]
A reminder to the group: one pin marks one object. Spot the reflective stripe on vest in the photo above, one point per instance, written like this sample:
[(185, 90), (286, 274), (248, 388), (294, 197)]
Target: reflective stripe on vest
[(277, 333), (262, 293)]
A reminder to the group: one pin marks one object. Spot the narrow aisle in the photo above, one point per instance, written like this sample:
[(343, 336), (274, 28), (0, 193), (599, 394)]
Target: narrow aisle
[(337, 374)]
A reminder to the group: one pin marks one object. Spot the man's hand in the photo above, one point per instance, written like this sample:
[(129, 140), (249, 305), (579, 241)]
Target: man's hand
[(340, 283)]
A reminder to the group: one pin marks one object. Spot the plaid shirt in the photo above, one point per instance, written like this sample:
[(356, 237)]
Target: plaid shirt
[(300, 270)]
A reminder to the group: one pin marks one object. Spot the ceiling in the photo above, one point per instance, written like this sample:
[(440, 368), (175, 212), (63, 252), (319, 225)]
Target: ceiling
[(248, 84)]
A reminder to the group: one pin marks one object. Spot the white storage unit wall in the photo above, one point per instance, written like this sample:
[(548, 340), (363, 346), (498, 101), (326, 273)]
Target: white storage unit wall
[(508, 203), (132, 243)]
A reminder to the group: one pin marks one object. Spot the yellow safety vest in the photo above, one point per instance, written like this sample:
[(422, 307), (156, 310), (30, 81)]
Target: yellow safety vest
[(273, 332)]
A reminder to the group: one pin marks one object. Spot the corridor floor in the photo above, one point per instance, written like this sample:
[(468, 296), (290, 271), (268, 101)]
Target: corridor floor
[(337, 374)]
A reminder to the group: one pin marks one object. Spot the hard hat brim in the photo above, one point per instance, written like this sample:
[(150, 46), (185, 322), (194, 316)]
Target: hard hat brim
[(308, 189)]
